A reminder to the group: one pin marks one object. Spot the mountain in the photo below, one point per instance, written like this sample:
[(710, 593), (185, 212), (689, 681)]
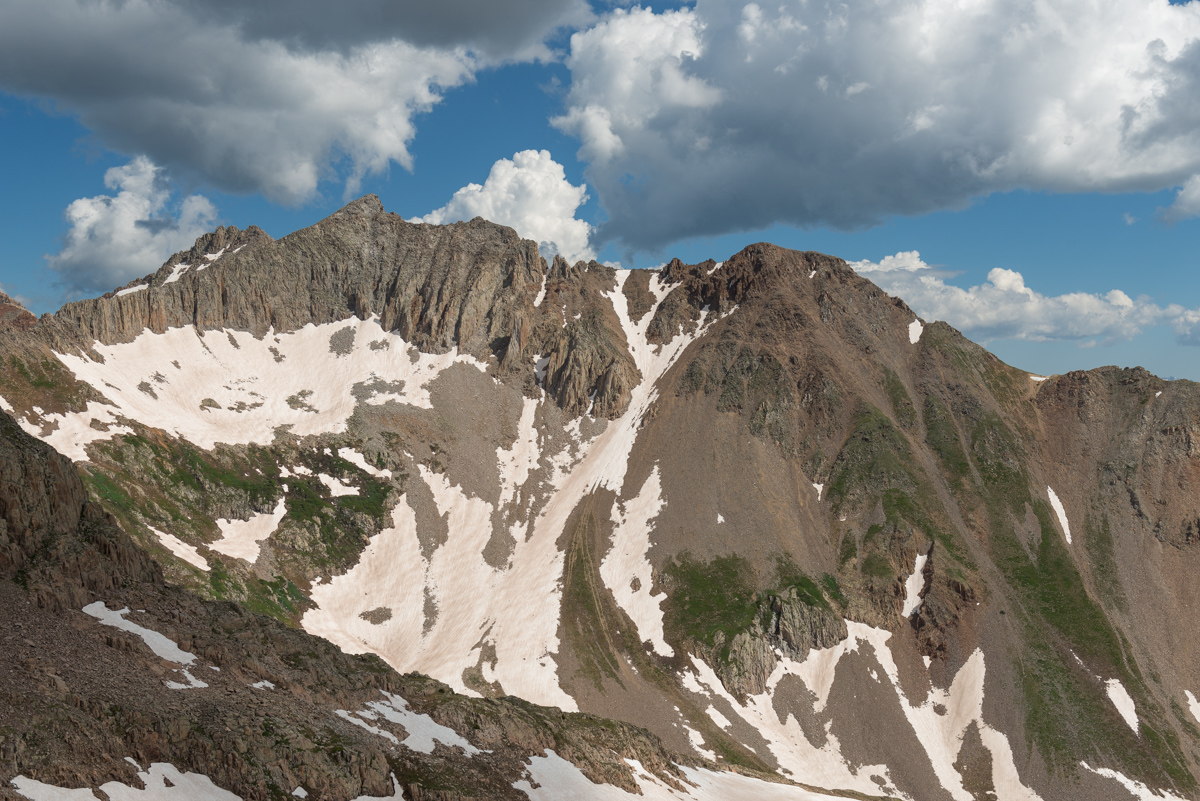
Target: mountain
[(749, 521)]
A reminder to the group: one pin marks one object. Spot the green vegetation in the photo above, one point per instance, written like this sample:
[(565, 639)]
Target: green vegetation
[(807, 590), (706, 598), (943, 437), (1068, 715), (720, 596), (45, 369), (830, 583), (902, 405), (111, 495), (876, 464), (876, 566), (1103, 561), (876, 457), (746, 381), (279, 598)]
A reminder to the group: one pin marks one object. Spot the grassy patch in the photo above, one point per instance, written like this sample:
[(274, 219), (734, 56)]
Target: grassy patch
[(111, 494), (1068, 715), (942, 436), (807, 590), (703, 599), (278, 598), (372, 500), (902, 405), (1098, 541), (877, 566), (830, 583), (876, 457)]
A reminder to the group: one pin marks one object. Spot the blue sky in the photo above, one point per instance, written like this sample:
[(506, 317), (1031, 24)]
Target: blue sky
[(693, 132)]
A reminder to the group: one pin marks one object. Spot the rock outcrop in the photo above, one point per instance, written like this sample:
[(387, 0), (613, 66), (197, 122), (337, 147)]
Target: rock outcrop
[(14, 316)]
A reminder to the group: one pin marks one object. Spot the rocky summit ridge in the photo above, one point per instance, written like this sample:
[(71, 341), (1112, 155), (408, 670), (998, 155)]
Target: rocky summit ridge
[(732, 529)]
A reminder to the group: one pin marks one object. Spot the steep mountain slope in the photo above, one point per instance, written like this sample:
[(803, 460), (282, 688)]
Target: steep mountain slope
[(151, 681), (756, 507)]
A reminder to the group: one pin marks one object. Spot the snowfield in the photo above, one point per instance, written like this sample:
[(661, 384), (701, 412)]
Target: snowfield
[(451, 611), (940, 722), (241, 538), (226, 386)]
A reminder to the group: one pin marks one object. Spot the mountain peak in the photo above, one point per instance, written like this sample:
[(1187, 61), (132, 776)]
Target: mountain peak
[(13, 315), (365, 206)]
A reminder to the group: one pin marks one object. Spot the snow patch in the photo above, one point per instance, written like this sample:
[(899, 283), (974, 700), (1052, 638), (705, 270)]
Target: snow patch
[(162, 782), (720, 519), (71, 433), (914, 331), (191, 683), (241, 538), (176, 271), (913, 586), (37, 791), (697, 741), (716, 717), (541, 295), (300, 792), (1136, 788), (251, 388), (181, 549), (263, 685), (626, 563), (1061, 512), (1193, 704), (358, 460), (1123, 702), (447, 603), (160, 645), (1038, 378), (423, 732), (540, 366), (518, 461), (132, 289), (337, 487), (820, 488), (940, 735)]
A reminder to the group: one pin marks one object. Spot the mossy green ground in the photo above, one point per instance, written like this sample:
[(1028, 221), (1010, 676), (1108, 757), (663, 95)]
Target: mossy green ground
[(175, 487)]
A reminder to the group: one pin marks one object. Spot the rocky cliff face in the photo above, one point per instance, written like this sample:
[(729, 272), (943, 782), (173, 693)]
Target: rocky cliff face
[(756, 507), (13, 315)]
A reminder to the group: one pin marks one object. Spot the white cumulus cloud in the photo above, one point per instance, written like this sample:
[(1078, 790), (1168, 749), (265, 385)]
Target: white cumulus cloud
[(1003, 307), (224, 99), (734, 116), (115, 238), (531, 194)]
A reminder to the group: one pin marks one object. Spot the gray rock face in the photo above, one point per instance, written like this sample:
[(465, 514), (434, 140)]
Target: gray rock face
[(438, 286), (800, 627), (590, 365), (63, 545), (794, 628), (14, 316)]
